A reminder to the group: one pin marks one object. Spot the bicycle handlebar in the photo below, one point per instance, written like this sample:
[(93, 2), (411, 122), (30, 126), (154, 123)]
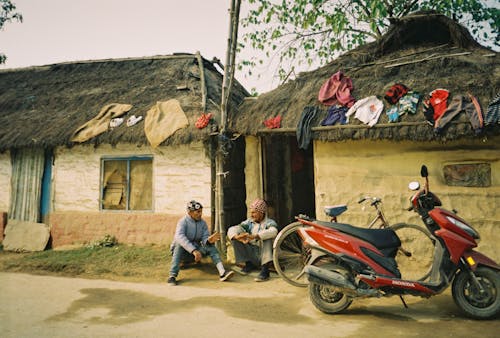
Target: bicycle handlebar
[(375, 200)]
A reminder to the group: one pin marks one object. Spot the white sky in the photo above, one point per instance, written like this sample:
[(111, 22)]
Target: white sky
[(55, 31)]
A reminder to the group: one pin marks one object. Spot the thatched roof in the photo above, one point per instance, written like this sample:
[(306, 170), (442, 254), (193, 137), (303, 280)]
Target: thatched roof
[(43, 106), (425, 51)]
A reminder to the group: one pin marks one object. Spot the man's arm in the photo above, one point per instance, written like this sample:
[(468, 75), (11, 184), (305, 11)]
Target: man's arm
[(271, 230), (181, 237)]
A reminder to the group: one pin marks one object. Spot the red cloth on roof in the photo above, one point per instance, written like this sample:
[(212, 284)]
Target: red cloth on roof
[(203, 120), (337, 90), (439, 100), (397, 91), (273, 122)]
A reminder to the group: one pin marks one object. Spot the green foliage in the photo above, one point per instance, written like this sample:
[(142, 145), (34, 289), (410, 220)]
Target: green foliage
[(314, 31), (7, 14), (106, 241)]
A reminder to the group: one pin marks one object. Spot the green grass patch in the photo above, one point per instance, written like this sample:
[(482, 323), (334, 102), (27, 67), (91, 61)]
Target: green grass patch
[(119, 262)]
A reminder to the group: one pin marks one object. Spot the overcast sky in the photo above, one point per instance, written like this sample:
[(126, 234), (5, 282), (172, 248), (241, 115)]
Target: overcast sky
[(55, 31)]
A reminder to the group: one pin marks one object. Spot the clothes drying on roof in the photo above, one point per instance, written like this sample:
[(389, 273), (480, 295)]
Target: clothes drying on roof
[(367, 110), (335, 114), (273, 122), (393, 114), (406, 105), (492, 115), (101, 122), (458, 104), (438, 100), (203, 120), (337, 90), (304, 133), (397, 91), (162, 120)]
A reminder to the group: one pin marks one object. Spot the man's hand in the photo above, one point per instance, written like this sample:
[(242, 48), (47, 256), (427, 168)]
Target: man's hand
[(197, 256), (213, 238), (244, 237)]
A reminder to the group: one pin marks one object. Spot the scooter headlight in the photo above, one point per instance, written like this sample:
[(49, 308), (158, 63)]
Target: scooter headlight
[(465, 228)]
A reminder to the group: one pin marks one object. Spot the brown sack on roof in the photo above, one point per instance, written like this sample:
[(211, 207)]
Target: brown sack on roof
[(100, 123), (163, 120)]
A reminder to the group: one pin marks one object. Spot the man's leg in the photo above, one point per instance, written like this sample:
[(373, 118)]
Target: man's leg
[(211, 250), (179, 253), (246, 253), (266, 257)]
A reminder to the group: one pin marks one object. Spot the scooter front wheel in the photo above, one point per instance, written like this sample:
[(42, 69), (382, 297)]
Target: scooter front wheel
[(473, 302)]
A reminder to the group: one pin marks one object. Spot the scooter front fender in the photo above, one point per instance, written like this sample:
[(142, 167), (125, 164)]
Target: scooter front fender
[(475, 259)]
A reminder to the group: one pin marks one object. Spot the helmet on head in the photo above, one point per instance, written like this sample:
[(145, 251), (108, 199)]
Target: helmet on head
[(193, 205)]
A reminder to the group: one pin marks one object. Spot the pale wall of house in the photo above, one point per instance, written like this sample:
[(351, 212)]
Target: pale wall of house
[(253, 176), (346, 171), (5, 176), (180, 173)]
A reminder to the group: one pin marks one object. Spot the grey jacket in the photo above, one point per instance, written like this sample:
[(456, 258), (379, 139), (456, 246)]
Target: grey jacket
[(191, 234)]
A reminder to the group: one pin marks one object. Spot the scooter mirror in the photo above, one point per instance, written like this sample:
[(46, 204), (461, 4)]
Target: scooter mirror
[(423, 171), (414, 186)]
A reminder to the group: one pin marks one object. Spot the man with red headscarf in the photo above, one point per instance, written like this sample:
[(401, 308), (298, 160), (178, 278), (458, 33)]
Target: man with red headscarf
[(252, 240)]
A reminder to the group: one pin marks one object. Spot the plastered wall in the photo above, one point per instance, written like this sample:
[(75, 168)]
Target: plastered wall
[(346, 171), (180, 174)]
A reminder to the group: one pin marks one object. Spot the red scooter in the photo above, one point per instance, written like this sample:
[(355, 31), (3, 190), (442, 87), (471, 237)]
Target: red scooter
[(358, 262)]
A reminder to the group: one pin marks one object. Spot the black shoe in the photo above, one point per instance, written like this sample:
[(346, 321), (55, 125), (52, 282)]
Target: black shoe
[(171, 280), (249, 267), (227, 275), (263, 275)]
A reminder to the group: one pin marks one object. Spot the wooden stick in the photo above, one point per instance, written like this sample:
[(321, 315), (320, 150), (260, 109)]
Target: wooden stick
[(431, 57), (401, 57)]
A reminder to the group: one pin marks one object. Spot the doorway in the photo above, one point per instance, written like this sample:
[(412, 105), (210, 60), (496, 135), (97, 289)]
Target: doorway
[(288, 178)]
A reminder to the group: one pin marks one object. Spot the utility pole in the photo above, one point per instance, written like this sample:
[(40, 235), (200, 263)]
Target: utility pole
[(227, 82)]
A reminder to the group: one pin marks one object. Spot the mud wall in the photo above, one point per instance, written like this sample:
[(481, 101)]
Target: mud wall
[(346, 171)]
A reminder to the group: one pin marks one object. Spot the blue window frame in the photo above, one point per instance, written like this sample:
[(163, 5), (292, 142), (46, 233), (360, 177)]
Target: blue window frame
[(126, 183)]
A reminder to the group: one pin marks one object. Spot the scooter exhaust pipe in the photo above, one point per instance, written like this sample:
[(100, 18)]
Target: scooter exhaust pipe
[(337, 281)]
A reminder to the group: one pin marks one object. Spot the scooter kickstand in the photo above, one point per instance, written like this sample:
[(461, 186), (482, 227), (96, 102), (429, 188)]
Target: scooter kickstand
[(403, 301)]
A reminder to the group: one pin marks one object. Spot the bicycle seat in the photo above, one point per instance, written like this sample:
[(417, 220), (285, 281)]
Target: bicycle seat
[(335, 210)]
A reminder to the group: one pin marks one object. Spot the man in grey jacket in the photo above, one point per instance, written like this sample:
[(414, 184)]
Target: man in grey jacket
[(252, 240), (192, 241)]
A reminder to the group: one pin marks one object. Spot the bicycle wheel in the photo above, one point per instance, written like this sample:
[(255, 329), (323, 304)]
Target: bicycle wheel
[(417, 251), (290, 256)]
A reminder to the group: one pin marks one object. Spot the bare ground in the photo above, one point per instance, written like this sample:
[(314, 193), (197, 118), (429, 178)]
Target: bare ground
[(201, 306)]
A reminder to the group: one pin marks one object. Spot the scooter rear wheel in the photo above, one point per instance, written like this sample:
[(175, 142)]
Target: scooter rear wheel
[(290, 255), (328, 300), (470, 300)]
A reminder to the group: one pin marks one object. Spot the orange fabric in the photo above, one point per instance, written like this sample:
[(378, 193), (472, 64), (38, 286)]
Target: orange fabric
[(273, 122), (203, 120)]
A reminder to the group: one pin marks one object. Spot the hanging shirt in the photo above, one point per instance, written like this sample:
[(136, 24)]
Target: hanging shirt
[(367, 110), (439, 100), (493, 111), (337, 90)]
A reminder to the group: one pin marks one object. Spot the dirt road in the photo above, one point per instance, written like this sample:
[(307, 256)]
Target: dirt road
[(201, 306)]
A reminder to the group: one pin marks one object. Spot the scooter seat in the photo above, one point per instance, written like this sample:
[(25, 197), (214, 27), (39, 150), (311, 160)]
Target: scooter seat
[(380, 238)]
